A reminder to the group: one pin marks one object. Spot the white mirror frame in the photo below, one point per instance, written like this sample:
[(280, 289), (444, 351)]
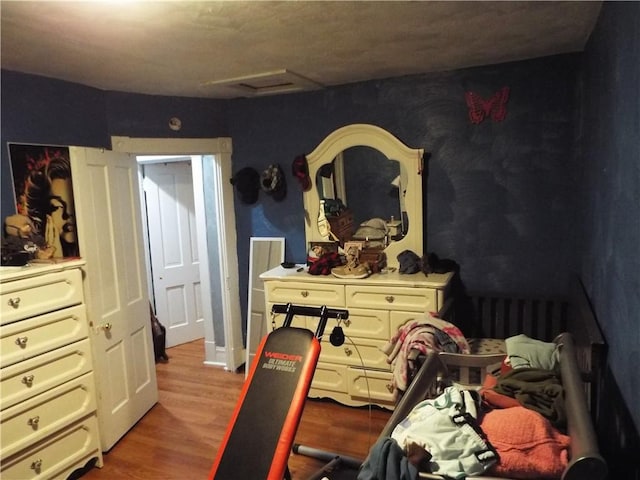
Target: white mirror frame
[(378, 138)]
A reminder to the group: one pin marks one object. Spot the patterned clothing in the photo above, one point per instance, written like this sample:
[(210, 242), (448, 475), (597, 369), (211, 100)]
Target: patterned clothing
[(426, 334)]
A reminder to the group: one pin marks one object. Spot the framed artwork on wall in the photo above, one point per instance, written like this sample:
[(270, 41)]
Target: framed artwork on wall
[(43, 192)]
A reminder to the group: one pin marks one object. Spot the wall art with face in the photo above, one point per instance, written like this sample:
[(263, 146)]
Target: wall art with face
[(44, 192)]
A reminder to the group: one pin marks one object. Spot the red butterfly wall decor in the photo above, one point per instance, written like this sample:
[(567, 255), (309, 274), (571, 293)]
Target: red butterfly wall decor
[(496, 106)]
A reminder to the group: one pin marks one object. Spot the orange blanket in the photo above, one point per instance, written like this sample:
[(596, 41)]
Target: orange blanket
[(528, 445)]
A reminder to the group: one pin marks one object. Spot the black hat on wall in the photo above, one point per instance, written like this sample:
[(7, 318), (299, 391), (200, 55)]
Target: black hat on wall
[(247, 183)]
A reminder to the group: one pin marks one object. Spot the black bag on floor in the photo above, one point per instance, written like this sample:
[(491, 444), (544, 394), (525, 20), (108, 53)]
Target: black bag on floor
[(159, 334)]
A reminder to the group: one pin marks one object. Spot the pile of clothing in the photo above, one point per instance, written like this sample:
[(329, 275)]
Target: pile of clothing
[(514, 426), (425, 334)]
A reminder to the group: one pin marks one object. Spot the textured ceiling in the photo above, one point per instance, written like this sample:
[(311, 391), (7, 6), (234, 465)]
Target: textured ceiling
[(186, 48)]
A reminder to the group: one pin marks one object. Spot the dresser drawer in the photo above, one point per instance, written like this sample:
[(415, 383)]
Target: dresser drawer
[(403, 298), (372, 384), (33, 296), (366, 352), (28, 338), (58, 455), (361, 323), (329, 377), (305, 293), (27, 379), (42, 415)]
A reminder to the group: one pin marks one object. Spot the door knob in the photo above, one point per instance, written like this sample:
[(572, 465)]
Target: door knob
[(106, 326)]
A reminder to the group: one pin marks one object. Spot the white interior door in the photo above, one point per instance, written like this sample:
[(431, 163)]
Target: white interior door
[(265, 253), (173, 246), (110, 235)]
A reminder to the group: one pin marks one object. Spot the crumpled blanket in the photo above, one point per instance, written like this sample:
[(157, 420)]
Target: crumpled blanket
[(529, 447), (427, 333), (537, 389)]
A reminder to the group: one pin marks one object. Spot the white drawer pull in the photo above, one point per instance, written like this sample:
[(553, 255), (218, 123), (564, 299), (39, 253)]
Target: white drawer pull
[(14, 302), (348, 351), (389, 298), (34, 421), (36, 465), (28, 380), (304, 294), (22, 341)]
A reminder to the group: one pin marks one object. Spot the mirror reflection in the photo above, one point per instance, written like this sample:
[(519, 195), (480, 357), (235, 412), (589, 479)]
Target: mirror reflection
[(362, 194)]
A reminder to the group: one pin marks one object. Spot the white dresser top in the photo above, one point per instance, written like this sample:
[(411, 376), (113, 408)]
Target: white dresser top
[(433, 280)]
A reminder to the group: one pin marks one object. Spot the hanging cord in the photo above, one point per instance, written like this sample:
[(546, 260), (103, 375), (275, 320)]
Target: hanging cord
[(337, 338), (366, 379)]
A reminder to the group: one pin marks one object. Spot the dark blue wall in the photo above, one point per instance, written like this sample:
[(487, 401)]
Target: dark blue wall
[(501, 196), (135, 115), (46, 111), (609, 156)]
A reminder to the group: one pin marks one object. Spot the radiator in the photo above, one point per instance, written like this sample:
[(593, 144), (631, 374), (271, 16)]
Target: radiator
[(482, 315), (502, 316)]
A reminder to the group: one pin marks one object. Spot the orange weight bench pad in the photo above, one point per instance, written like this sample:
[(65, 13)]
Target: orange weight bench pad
[(261, 431)]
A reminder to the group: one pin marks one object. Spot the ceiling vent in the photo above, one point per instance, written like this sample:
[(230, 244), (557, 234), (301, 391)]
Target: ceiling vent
[(261, 84)]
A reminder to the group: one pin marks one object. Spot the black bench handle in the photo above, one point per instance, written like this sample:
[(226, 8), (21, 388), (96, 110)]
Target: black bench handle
[(323, 312)]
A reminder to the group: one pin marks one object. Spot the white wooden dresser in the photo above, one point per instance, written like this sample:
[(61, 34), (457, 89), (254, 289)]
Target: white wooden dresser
[(356, 373), (48, 422)]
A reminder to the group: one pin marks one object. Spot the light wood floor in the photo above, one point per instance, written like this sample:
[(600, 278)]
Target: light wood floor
[(178, 438)]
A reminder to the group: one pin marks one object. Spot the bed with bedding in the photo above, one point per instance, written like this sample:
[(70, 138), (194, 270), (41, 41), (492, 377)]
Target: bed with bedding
[(565, 448), (513, 407)]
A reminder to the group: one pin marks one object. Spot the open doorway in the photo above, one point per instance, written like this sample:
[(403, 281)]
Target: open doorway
[(216, 243), (173, 262)]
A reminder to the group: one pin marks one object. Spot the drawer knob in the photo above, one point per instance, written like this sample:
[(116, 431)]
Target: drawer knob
[(347, 322), (28, 380), (36, 465), (22, 341), (389, 387), (34, 421), (304, 294), (14, 302), (389, 298), (348, 352)]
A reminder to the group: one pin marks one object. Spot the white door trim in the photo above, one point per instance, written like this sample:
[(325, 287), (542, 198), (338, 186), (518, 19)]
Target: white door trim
[(221, 149)]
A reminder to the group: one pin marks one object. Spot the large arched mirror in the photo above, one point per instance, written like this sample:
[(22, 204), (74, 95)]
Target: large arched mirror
[(366, 180)]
